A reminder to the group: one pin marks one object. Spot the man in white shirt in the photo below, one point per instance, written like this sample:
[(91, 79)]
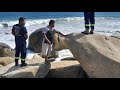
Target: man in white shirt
[(48, 35)]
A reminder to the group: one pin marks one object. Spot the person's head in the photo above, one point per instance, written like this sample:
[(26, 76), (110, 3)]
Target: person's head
[(22, 21), (52, 23)]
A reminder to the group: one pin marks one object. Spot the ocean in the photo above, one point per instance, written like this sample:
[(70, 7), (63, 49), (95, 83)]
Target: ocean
[(107, 23)]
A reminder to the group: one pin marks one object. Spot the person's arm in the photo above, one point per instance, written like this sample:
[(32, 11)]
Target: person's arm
[(45, 37), (59, 33), (13, 31), (26, 36), (26, 33)]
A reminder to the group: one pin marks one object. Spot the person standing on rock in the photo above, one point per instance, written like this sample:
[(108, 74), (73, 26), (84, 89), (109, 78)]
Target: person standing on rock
[(48, 35), (89, 18), (20, 32)]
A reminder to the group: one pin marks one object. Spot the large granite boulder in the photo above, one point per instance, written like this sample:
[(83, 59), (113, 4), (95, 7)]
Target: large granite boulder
[(99, 55), (35, 41)]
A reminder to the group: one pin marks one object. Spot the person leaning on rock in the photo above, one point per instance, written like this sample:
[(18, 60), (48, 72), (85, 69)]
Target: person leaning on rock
[(48, 35)]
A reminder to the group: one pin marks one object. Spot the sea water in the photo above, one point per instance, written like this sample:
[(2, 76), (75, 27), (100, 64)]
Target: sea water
[(106, 23)]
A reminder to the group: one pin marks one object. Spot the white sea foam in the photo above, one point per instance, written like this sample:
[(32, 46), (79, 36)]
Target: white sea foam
[(31, 22), (104, 25)]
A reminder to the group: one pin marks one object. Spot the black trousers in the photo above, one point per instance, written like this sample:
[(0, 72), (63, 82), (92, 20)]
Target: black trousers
[(89, 18), (20, 50)]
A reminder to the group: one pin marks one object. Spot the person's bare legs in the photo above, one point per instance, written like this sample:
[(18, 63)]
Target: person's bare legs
[(46, 58), (48, 53)]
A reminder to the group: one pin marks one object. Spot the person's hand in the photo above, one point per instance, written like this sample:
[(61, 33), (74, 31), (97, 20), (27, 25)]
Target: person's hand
[(49, 42)]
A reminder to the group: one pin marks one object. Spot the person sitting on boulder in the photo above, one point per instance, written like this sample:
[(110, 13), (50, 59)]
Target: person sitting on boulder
[(48, 35), (89, 18)]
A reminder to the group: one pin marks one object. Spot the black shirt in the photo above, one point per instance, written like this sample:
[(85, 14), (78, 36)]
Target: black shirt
[(50, 36), (20, 32)]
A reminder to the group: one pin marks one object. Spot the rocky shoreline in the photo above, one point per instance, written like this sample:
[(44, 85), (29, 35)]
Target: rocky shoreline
[(97, 56), (36, 67)]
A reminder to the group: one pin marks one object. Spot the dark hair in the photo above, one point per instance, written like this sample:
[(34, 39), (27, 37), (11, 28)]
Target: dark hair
[(51, 22), (21, 19)]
